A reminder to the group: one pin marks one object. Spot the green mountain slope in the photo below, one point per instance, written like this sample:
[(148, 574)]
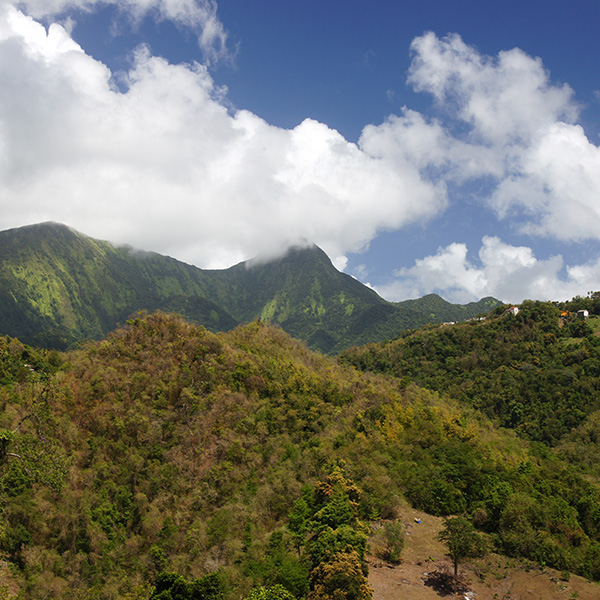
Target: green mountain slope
[(535, 372), (58, 287), (166, 447)]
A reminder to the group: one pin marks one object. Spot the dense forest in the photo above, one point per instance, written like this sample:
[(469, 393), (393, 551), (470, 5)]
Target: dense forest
[(536, 372), (169, 462)]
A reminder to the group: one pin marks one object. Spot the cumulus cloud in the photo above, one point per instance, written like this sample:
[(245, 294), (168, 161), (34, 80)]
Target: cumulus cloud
[(558, 184), (198, 15), (160, 162), (505, 99), (500, 121), (164, 166), (516, 128), (428, 145), (520, 131), (509, 273)]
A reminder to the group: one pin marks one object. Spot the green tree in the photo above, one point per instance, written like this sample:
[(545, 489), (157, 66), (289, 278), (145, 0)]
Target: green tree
[(329, 542), (299, 517), (393, 539), (334, 525), (340, 578), (171, 586), (273, 592), (336, 502), (32, 446), (279, 566), (462, 540)]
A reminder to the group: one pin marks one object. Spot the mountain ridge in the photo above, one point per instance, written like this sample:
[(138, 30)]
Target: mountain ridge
[(59, 286)]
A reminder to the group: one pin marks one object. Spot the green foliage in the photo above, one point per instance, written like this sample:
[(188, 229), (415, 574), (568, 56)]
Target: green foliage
[(335, 502), (58, 287), (13, 541), (170, 586), (299, 517), (461, 540), (393, 538), (273, 592), (280, 567), (340, 578), (329, 542), (334, 525), (6, 438), (518, 369), (580, 329), (28, 447), (337, 539), (191, 451), (20, 363)]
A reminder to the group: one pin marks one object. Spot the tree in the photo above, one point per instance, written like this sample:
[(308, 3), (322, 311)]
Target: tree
[(32, 446), (335, 526), (336, 502), (462, 540), (340, 578), (393, 539), (337, 539), (171, 586), (273, 592), (328, 542)]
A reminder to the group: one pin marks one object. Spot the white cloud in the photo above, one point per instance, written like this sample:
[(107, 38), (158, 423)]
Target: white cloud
[(558, 185), (505, 99), (520, 131), (198, 15), (412, 139), (361, 271), (509, 273), (501, 121), (164, 166)]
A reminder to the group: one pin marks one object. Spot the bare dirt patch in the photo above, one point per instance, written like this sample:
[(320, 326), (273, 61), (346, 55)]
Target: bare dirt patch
[(494, 577)]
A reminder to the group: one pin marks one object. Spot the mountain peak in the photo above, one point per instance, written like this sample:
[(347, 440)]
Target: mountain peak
[(37, 233), (44, 226), (293, 253), (58, 286)]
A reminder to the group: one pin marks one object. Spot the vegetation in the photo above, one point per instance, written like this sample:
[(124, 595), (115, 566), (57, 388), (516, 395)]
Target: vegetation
[(274, 592), (534, 372), (170, 586), (245, 461), (338, 542), (462, 540), (58, 287), (392, 538)]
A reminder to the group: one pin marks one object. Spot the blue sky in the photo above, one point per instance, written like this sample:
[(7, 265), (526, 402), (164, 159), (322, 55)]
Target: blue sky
[(448, 147)]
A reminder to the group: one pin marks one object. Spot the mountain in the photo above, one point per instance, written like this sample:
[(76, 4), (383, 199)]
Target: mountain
[(58, 286)]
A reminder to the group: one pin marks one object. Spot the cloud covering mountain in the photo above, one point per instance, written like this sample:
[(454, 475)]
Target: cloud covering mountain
[(157, 156)]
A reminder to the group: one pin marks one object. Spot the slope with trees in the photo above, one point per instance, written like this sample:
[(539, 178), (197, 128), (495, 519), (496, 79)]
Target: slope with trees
[(58, 287), (191, 453), (535, 372)]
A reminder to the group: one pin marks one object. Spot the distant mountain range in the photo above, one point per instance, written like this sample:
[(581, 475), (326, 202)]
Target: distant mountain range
[(58, 287)]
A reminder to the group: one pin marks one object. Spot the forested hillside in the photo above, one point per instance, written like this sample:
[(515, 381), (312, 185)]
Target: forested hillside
[(170, 456), (59, 287), (536, 372)]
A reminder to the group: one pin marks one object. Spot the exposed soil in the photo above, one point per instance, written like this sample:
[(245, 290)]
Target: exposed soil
[(425, 573)]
